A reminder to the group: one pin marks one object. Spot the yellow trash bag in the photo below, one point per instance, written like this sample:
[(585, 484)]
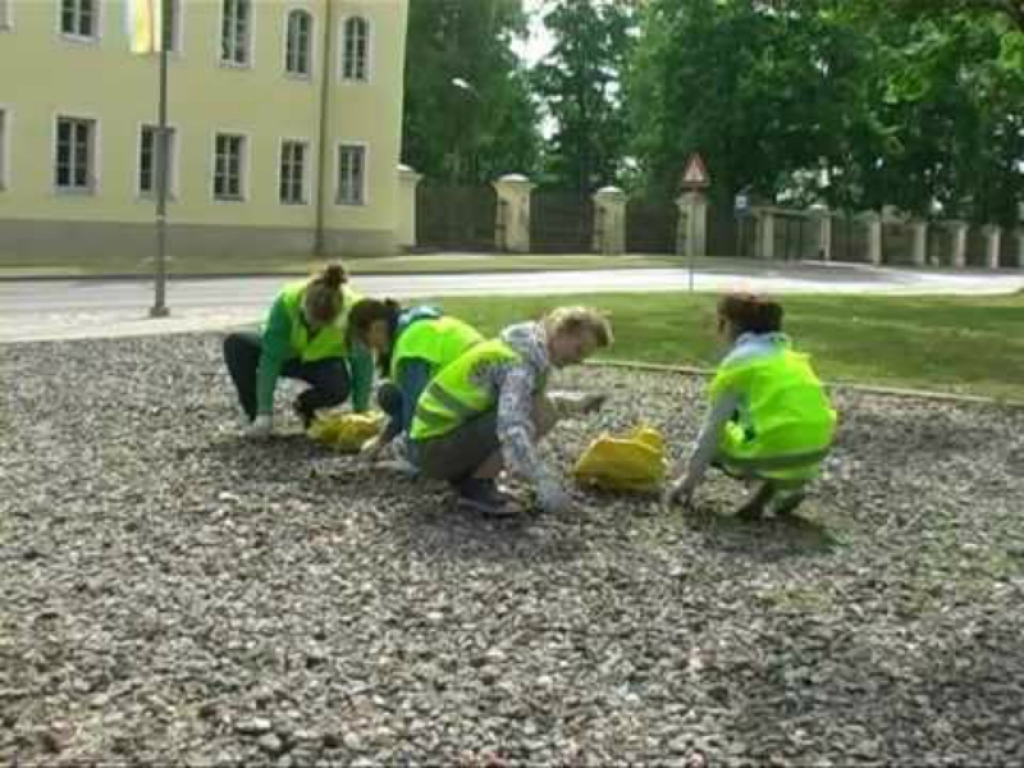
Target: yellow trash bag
[(345, 431), (632, 462)]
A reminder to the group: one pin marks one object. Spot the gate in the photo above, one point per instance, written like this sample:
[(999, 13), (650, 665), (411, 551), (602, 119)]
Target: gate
[(849, 240), (897, 243), (455, 217), (796, 237), (976, 247), (651, 226), (561, 221), (940, 245)]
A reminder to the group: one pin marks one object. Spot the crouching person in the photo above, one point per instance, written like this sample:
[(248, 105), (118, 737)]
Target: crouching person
[(486, 411), (411, 345), (769, 421), (304, 337)]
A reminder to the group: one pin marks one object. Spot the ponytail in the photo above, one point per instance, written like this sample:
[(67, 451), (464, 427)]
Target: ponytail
[(324, 299)]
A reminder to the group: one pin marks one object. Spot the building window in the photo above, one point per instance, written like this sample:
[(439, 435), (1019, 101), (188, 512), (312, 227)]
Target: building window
[(78, 17), (356, 49), (293, 173), (229, 167), (3, 148), (351, 174), (236, 23), (76, 153), (148, 160), (298, 53)]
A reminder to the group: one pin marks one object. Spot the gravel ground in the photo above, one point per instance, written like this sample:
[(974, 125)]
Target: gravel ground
[(171, 593)]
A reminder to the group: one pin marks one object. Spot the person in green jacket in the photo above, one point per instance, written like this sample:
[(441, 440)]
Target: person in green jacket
[(770, 419), (304, 337), (412, 345)]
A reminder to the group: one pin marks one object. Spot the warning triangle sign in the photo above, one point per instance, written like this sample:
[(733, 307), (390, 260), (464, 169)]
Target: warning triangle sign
[(696, 173)]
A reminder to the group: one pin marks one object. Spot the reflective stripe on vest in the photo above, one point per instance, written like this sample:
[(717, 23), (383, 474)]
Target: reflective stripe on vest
[(789, 461)]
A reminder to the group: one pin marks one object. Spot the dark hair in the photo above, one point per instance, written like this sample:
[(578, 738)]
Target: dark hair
[(324, 300), (365, 313), (750, 313)]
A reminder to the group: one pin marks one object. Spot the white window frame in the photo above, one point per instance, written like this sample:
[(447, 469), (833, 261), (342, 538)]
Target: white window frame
[(364, 191), (97, 22), (307, 145), (250, 36), (243, 168), (5, 147), (6, 15), (172, 164), (311, 55), (368, 62), (92, 187)]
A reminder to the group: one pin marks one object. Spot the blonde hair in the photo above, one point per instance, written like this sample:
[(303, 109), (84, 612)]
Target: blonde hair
[(324, 301), (579, 319)]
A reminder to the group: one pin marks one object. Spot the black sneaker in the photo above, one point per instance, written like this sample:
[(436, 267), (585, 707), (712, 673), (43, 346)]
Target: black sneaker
[(786, 505), (754, 506), (305, 416), (482, 496)]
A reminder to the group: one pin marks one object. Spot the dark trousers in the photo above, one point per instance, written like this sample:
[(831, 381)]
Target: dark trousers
[(328, 379)]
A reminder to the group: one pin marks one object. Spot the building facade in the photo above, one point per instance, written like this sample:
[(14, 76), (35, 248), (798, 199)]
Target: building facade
[(285, 120)]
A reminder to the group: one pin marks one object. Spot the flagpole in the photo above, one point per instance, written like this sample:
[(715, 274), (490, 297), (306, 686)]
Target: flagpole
[(159, 308)]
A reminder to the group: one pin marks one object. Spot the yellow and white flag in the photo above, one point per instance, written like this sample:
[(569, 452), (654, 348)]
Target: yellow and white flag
[(145, 25)]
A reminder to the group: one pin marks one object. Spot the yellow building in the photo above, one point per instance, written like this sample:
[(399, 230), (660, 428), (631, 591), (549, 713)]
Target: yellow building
[(268, 154)]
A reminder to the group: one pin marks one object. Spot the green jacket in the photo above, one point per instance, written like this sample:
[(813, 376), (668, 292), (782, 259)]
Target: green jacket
[(285, 337)]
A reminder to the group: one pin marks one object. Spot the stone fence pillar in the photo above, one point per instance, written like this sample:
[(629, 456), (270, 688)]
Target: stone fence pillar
[(512, 223)]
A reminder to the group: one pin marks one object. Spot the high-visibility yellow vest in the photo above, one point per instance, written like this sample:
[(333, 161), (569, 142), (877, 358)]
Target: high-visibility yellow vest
[(453, 398), (786, 424), (437, 340), (329, 341)]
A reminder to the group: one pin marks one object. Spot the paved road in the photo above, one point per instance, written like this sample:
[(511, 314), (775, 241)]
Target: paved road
[(46, 309)]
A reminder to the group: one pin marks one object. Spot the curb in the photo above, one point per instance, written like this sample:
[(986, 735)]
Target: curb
[(917, 394)]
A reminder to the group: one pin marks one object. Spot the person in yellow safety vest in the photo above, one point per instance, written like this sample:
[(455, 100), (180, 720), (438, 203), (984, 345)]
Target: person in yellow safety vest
[(411, 345), (770, 419), (304, 337), (486, 410)]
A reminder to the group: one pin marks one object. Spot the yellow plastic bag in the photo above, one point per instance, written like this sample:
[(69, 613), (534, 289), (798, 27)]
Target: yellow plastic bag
[(631, 462), (345, 431)]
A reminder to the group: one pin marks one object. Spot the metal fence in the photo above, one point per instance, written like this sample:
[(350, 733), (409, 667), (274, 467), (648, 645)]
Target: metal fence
[(561, 221), (651, 226), (456, 218)]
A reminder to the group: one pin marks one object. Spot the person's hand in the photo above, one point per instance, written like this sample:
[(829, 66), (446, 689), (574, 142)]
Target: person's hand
[(371, 450), (261, 427), (680, 492), (552, 497)]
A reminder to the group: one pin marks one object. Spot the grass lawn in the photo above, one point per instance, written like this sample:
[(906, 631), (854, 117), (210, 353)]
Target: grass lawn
[(11, 266), (952, 344)]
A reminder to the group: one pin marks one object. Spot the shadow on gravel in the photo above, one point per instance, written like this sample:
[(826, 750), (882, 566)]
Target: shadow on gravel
[(435, 530), (767, 540)]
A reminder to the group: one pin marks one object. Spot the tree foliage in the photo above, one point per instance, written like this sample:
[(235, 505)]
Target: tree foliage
[(469, 113)]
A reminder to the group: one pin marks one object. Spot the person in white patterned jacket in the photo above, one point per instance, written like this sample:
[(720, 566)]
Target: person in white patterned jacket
[(486, 411)]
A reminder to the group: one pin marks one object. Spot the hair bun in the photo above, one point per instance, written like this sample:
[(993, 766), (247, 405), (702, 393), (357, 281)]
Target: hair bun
[(334, 276)]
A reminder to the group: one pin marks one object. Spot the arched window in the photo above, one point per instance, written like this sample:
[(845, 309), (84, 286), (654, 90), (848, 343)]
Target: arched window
[(356, 49), (299, 45)]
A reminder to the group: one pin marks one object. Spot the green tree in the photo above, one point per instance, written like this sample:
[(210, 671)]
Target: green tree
[(469, 114), (580, 86)]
